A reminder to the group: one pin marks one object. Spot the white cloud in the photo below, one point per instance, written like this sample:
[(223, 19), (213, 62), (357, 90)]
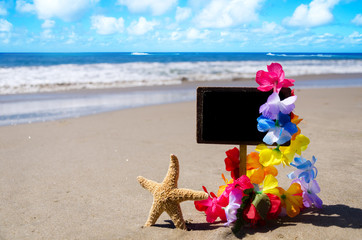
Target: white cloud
[(5, 37), (353, 38), (269, 28), (72, 38), (5, 30), (227, 13), (317, 13), (23, 6), (48, 24), (175, 35), (141, 26), (182, 14), (357, 20), (355, 34), (107, 25), (47, 34), (5, 26), (66, 10), (3, 10), (326, 37), (193, 33), (157, 7)]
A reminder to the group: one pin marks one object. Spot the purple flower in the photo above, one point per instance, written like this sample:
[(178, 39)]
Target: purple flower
[(310, 191), (235, 198), (273, 106), (305, 169), (279, 131)]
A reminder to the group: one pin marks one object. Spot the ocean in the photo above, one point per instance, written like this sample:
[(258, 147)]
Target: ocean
[(44, 86), (48, 72)]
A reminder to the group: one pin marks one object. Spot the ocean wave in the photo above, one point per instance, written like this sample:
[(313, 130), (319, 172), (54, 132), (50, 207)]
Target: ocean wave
[(27, 79), (301, 55), (140, 53)]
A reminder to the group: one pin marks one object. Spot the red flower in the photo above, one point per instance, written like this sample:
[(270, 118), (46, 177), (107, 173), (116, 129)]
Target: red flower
[(232, 162), (251, 216), (255, 213), (276, 206)]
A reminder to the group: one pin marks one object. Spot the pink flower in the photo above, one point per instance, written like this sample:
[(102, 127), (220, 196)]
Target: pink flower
[(241, 183), (213, 207), (273, 79)]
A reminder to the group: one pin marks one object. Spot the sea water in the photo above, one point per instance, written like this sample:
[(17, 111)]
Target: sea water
[(32, 85)]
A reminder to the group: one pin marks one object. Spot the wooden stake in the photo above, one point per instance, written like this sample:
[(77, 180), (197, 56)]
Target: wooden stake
[(242, 164)]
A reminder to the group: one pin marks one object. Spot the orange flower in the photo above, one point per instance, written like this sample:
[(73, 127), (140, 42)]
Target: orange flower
[(292, 199), (222, 188), (294, 118), (256, 171)]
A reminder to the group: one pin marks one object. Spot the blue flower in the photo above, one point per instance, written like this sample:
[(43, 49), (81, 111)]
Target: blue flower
[(279, 131), (305, 169)]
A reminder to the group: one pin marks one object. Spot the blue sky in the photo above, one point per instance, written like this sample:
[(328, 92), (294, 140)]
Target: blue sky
[(181, 25)]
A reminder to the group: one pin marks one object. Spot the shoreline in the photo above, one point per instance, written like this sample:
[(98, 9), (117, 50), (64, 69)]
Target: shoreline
[(76, 178), (189, 84), (49, 106)]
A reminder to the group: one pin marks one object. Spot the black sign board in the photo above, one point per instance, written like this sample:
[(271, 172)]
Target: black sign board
[(227, 115)]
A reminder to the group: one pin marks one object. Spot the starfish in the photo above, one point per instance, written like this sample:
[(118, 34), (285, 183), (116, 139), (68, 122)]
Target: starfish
[(167, 197)]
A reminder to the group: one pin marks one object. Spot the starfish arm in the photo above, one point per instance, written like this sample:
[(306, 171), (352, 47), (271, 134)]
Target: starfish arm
[(173, 209), (173, 173), (182, 194), (155, 212), (148, 184)]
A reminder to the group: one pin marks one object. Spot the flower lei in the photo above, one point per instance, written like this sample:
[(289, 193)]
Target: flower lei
[(257, 197)]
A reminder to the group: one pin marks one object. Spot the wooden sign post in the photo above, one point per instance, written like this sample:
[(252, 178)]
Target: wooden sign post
[(227, 115)]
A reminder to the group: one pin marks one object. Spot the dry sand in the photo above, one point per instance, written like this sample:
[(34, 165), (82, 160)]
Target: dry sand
[(76, 178)]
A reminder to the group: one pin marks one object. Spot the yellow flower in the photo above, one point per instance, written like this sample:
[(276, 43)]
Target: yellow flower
[(296, 146), (222, 187), (292, 199), (268, 156), (256, 171), (270, 185)]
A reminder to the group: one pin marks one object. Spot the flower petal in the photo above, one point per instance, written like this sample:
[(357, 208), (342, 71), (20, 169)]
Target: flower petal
[(314, 186), (270, 185), (252, 161), (258, 176), (317, 201), (287, 105), (288, 82), (264, 124), (271, 170), (264, 80), (276, 68), (284, 137), (272, 136)]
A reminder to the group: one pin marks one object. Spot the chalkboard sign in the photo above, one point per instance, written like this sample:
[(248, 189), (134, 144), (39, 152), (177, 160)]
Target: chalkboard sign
[(227, 115)]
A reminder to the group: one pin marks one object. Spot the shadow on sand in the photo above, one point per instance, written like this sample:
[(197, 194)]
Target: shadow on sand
[(339, 215)]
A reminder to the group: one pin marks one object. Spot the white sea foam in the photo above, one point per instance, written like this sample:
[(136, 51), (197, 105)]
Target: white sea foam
[(94, 76), (28, 108), (300, 55), (140, 53)]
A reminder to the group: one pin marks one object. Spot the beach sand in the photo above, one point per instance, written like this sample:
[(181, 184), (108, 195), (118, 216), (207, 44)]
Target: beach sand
[(76, 178)]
